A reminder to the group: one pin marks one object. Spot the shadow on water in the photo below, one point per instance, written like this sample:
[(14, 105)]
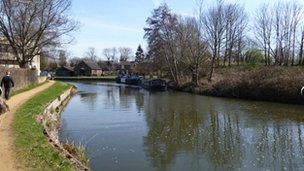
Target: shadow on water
[(127, 128)]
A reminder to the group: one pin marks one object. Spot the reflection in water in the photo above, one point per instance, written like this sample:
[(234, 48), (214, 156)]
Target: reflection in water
[(126, 128), (89, 98), (191, 127)]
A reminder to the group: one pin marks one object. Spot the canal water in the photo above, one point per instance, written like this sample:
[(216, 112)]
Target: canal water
[(127, 128)]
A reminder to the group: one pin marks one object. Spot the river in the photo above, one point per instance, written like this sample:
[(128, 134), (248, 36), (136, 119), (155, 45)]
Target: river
[(127, 128)]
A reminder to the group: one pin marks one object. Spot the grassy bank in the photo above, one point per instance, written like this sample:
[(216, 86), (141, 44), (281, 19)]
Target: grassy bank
[(275, 84), (32, 147), (27, 88)]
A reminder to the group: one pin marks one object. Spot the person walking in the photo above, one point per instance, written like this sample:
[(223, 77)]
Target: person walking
[(8, 83)]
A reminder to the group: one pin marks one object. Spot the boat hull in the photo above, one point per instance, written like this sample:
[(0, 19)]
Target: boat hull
[(155, 85)]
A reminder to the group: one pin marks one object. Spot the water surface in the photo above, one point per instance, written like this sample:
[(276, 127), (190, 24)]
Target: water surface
[(127, 128)]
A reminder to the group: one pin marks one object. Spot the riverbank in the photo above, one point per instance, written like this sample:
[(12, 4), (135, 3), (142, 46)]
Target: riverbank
[(51, 121), (274, 84), (7, 152), (31, 146)]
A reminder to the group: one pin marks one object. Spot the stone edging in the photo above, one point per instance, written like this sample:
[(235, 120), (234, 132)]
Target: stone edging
[(50, 119)]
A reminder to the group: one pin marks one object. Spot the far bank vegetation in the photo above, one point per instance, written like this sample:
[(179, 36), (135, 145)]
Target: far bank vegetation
[(224, 46)]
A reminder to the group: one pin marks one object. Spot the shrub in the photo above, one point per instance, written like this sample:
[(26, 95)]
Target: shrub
[(267, 83), (254, 57)]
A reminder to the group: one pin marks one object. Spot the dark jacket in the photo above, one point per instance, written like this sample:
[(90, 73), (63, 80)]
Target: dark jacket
[(7, 82)]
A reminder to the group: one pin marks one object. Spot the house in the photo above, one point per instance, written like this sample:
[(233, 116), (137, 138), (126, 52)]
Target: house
[(8, 59), (87, 68), (108, 67), (126, 66), (65, 71)]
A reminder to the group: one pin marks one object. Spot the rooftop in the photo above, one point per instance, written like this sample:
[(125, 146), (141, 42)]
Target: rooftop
[(92, 64)]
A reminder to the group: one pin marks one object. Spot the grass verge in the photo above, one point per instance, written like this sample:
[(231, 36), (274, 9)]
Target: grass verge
[(32, 86), (79, 151), (33, 149)]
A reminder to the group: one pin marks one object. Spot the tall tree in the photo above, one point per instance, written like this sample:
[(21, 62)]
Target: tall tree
[(278, 29), (125, 53), (214, 28), (161, 35), (111, 55), (29, 26), (263, 25), (235, 24), (74, 61), (192, 47), (91, 54), (62, 58), (301, 60), (139, 55)]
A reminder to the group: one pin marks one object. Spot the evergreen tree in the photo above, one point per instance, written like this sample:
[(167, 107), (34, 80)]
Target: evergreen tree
[(62, 58), (139, 55)]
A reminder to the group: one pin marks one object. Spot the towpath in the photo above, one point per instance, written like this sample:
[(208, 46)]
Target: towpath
[(7, 155)]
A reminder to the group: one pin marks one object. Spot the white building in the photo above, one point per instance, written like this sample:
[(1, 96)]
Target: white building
[(8, 59)]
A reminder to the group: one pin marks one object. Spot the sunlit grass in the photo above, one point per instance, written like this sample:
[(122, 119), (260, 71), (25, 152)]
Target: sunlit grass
[(32, 147), (32, 86)]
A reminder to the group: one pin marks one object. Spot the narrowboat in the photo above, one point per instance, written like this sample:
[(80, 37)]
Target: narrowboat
[(155, 85), (130, 80)]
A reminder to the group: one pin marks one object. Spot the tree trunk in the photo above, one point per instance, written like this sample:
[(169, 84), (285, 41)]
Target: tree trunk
[(301, 50), (22, 64), (212, 69)]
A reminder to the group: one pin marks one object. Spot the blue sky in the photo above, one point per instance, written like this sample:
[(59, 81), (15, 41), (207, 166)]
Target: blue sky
[(109, 23)]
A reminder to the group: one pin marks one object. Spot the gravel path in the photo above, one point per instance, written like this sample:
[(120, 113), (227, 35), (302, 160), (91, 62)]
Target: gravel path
[(7, 156)]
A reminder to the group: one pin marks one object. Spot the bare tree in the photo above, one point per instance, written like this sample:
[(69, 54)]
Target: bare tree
[(301, 60), (111, 55), (213, 23), (280, 21), (235, 26), (263, 28), (29, 26), (162, 35), (125, 53), (91, 54), (107, 53), (297, 14), (74, 61), (192, 47)]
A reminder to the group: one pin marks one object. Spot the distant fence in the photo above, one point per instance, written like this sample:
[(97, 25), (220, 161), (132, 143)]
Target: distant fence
[(21, 77)]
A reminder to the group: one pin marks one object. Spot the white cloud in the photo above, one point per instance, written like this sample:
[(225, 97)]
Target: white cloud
[(156, 3), (97, 24)]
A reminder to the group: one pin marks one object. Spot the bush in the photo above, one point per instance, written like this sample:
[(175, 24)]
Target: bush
[(254, 57), (268, 83)]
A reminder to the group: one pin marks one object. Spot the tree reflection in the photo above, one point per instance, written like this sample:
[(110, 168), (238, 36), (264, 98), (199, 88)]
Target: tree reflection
[(176, 127), (210, 133), (279, 147), (226, 135), (222, 141), (172, 129), (89, 99)]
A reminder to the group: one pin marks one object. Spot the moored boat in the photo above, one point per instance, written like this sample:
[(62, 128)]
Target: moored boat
[(155, 85), (134, 80), (130, 80), (121, 79)]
